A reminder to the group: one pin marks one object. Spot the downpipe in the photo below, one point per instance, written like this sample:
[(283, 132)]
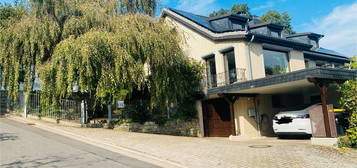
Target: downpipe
[(250, 59)]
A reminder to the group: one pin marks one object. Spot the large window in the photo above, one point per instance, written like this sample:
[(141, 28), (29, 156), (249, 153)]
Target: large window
[(275, 62), (230, 64), (211, 72)]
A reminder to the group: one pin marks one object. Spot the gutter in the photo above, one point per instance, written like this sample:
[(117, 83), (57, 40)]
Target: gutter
[(250, 59)]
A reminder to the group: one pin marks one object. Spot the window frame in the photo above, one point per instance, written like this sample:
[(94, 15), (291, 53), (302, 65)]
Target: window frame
[(287, 55)]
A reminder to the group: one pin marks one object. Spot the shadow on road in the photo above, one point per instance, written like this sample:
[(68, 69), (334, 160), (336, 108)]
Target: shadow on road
[(8, 137)]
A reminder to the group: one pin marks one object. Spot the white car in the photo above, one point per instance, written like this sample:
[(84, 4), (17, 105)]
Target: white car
[(293, 121)]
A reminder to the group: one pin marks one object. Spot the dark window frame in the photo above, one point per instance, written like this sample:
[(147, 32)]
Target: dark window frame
[(287, 55)]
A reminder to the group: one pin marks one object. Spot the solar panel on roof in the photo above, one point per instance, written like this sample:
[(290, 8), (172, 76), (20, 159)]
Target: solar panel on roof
[(326, 51), (201, 20)]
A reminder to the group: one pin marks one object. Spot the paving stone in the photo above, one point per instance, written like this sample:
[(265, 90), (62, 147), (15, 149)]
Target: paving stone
[(220, 152)]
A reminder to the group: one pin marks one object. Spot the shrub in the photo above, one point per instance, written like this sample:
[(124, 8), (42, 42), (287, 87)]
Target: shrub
[(352, 131), (344, 142), (348, 100), (137, 111)]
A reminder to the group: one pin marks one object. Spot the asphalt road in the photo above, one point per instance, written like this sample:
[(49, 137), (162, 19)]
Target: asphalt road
[(23, 145)]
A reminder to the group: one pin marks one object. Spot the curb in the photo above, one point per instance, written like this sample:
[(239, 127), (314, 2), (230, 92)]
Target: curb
[(108, 146)]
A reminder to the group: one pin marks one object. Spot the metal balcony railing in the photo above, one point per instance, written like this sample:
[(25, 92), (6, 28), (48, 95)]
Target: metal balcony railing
[(225, 78)]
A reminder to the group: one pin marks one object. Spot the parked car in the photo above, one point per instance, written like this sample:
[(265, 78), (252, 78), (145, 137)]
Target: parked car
[(293, 121)]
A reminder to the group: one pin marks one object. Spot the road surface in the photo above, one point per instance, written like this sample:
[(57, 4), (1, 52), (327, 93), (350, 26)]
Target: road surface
[(22, 145)]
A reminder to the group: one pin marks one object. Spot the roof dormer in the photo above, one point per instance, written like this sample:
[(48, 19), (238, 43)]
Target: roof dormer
[(268, 29), (307, 38), (229, 22)]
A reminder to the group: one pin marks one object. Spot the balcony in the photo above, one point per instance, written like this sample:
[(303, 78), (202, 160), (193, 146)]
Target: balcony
[(225, 78)]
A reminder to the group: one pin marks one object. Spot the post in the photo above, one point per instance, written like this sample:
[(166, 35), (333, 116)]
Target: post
[(323, 91), (25, 105), (83, 113), (109, 112)]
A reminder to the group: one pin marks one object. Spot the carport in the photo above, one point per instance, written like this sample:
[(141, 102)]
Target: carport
[(252, 104)]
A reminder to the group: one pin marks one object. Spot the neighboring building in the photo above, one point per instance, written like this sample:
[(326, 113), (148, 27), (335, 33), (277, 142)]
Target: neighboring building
[(253, 69)]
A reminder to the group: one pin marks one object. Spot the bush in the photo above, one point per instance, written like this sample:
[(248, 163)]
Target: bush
[(348, 100), (344, 142), (352, 131), (137, 111)]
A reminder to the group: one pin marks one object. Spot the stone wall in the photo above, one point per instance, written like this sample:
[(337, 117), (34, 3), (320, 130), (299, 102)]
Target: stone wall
[(175, 127)]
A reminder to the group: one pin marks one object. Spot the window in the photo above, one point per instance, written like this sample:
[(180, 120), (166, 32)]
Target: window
[(230, 65), (275, 62), (274, 33), (306, 64), (313, 42), (211, 72), (237, 26)]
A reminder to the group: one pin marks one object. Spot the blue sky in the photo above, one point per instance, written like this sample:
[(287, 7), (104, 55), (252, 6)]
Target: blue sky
[(336, 19)]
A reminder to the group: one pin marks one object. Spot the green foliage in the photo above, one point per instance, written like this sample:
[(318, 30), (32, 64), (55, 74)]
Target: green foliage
[(284, 19), (89, 44), (352, 131), (137, 111), (348, 101), (353, 63), (236, 8), (344, 142), (10, 13)]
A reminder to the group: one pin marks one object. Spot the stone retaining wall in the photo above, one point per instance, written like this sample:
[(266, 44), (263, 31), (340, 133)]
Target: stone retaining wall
[(175, 127)]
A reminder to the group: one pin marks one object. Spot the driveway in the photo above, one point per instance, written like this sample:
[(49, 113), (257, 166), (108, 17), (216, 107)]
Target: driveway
[(217, 152)]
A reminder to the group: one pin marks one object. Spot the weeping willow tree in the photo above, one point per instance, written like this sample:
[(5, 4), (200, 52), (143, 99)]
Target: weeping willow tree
[(107, 49)]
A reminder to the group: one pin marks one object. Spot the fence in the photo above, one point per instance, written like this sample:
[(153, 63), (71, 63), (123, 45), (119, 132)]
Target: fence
[(67, 110)]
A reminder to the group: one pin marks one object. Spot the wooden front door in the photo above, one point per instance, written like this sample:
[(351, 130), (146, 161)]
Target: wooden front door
[(217, 116)]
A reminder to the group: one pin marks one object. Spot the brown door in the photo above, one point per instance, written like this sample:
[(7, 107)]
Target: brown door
[(217, 118)]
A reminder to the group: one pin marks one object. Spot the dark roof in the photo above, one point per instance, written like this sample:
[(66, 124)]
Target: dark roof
[(200, 20), (310, 34), (266, 24), (327, 51), (235, 16), (327, 55)]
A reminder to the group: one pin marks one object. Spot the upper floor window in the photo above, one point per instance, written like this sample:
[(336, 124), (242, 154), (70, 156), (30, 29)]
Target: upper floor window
[(275, 62), (274, 33), (211, 72), (230, 65), (237, 26), (313, 42)]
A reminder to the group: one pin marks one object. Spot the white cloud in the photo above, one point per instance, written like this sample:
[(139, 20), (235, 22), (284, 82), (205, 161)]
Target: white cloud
[(339, 28), (202, 7)]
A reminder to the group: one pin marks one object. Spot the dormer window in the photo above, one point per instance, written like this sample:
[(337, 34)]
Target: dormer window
[(314, 43), (274, 33), (236, 26)]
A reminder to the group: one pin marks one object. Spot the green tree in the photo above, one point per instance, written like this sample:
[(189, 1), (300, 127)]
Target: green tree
[(9, 12), (353, 63), (284, 19), (92, 44), (236, 8)]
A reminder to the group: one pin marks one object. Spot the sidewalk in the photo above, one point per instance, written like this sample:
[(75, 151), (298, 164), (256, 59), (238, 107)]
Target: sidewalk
[(207, 152)]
